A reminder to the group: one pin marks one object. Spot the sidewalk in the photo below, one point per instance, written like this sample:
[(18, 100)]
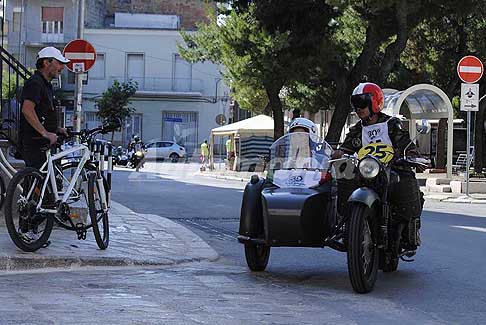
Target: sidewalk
[(135, 239)]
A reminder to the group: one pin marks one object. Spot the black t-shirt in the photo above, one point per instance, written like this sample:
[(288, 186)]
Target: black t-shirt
[(38, 90)]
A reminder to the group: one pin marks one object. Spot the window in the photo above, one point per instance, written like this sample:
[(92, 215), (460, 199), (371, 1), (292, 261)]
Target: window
[(136, 69), (52, 24), (91, 120), (182, 74), (98, 69), (16, 19)]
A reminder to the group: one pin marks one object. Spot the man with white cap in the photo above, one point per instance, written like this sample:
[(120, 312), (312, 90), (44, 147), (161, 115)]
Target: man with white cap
[(38, 120)]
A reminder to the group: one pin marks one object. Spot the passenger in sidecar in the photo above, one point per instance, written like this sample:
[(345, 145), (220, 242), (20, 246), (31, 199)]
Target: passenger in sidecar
[(296, 204)]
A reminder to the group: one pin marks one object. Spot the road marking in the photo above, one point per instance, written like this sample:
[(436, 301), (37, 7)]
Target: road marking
[(471, 228)]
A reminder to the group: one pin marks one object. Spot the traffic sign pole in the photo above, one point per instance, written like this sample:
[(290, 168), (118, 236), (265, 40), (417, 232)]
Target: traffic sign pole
[(470, 70), (78, 94)]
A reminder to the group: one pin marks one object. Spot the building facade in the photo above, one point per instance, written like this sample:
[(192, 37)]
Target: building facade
[(135, 40)]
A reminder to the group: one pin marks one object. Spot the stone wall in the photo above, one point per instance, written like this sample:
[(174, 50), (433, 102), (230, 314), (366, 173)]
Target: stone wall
[(190, 11)]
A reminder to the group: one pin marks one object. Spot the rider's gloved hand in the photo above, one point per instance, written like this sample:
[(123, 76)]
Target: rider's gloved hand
[(336, 154)]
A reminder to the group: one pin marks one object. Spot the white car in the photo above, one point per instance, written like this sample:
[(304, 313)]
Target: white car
[(164, 150)]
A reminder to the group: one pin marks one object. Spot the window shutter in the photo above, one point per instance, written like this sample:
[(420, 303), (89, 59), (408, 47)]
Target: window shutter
[(52, 13)]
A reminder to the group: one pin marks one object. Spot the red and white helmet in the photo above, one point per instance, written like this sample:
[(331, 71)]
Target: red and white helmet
[(368, 94)]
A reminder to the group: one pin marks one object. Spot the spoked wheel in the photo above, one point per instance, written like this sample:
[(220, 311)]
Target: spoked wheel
[(99, 218), (257, 256), (79, 196), (3, 192), (362, 252), (29, 229)]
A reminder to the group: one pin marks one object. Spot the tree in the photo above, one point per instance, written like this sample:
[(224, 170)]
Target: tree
[(114, 104), (261, 50)]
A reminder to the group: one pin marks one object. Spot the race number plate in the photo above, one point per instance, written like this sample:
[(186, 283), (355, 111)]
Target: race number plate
[(381, 151)]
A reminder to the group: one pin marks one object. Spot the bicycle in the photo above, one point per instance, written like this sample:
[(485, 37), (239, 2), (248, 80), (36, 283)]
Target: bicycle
[(35, 198), (7, 169)]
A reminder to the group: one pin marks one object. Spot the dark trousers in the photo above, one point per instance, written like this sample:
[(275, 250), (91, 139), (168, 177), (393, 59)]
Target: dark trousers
[(33, 156), (404, 196)]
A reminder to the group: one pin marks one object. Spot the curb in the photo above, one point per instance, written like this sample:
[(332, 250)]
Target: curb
[(195, 250)]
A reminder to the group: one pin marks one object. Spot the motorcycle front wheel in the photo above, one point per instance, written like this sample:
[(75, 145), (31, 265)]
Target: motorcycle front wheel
[(363, 254)]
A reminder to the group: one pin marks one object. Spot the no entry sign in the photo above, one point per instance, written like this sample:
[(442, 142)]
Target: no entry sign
[(82, 55), (470, 69)]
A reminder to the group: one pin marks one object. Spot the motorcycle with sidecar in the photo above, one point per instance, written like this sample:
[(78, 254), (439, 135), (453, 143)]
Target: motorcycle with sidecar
[(295, 205)]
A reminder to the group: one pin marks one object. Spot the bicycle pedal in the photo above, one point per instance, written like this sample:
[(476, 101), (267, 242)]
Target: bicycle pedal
[(81, 231)]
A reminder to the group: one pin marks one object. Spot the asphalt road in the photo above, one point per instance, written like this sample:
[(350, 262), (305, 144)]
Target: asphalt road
[(446, 282)]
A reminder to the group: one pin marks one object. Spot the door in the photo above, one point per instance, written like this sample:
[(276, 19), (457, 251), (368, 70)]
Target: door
[(181, 128), (133, 127)]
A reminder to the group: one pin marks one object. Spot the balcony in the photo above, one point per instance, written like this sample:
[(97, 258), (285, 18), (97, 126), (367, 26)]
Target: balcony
[(172, 85), (52, 38)]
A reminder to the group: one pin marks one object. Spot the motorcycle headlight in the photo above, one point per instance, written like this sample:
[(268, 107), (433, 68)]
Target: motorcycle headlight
[(369, 168), (139, 154)]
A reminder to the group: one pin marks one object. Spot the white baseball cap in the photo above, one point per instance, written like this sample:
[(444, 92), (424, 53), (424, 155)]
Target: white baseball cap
[(52, 52)]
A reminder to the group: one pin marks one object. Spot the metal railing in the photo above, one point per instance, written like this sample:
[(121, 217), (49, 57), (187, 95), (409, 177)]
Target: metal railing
[(163, 84), (12, 77)]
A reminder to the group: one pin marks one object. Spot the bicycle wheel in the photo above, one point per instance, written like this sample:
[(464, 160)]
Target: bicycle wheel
[(79, 196), (29, 229), (3, 192), (96, 213)]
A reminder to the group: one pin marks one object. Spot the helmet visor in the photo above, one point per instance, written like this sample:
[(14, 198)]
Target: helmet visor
[(361, 101)]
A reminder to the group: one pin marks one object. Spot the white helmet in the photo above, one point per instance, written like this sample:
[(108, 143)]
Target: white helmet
[(301, 122)]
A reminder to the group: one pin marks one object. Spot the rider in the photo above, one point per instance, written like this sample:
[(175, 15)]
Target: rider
[(305, 149), (136, 144), (374, 126)]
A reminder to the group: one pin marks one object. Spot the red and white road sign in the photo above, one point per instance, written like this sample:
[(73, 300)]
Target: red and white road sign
[(470, 69), (82, 55)]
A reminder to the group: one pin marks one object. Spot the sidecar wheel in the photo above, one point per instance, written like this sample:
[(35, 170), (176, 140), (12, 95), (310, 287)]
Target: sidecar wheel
[(362, 252), (257, 256)]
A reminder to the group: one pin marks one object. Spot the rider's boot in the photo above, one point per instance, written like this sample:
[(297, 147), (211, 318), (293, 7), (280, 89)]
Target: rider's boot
[(414, 232)]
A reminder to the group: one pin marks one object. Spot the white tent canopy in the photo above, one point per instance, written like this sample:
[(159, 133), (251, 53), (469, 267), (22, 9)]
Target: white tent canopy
[(260, 125), (257, 124), (422, 101)]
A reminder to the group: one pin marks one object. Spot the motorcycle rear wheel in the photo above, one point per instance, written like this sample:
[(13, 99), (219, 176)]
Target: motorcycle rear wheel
[(257, 256), (363, 254)]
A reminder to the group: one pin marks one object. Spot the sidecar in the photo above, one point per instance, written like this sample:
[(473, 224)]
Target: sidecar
[(294, 206)]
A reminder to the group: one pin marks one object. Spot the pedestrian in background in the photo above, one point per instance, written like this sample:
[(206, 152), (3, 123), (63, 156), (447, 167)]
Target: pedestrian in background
[(204, 153), (230, 153)]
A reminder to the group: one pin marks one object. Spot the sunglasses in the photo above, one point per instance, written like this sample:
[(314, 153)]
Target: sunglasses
[(361, 101)]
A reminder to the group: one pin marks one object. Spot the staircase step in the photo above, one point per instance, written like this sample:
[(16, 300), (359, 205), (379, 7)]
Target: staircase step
[(439, 188)]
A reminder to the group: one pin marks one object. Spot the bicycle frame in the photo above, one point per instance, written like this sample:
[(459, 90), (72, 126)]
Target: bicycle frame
[(48, 169)]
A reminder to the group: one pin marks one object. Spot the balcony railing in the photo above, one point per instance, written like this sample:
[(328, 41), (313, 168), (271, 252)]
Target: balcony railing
[(52, 38), (164, 84)]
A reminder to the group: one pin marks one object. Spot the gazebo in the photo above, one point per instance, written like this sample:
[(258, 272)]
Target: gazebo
[(422, 101), (250, 137)]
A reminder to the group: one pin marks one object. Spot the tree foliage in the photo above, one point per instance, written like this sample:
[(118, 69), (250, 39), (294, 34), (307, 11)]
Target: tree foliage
[(310, 54), (264, 46), (114, 104)]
